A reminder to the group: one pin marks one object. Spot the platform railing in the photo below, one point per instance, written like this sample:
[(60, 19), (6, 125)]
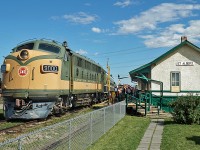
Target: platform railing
[(142, 98), (74, 134)]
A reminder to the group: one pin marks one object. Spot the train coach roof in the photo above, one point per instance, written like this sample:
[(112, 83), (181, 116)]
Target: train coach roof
[(85, 58)]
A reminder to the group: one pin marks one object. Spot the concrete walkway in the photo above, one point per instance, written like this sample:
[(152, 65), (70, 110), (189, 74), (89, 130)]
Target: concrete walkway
[(153, 136)]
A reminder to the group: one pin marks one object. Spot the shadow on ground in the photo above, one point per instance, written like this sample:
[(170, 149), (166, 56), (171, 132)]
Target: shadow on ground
[(168, 122), (196, 139), (1, 116), (130, 111)]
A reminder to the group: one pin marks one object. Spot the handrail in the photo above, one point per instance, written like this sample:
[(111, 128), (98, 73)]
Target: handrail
[(142, 98)]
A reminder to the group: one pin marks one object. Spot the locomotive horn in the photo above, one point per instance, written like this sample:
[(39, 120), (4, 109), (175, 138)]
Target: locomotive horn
[(66, 47), (65, 44)]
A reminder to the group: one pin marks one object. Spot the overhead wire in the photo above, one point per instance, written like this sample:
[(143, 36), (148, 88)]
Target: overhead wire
[(122, 52), (130, 49)]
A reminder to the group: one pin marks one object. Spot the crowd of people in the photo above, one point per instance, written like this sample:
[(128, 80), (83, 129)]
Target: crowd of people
[(119, 92)]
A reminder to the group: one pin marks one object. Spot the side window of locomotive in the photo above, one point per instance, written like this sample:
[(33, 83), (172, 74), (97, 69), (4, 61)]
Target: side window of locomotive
[(25, 46), (82, 75), (79, 62), (77, 72), (49, 47)]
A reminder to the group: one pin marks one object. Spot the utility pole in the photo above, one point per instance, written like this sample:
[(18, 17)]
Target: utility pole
[(108, 80)]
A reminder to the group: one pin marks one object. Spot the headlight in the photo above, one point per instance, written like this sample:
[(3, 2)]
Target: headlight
[(24, 55), (5, 68)]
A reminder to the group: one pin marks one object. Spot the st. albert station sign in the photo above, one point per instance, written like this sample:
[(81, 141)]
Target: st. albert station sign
[(185, 63)]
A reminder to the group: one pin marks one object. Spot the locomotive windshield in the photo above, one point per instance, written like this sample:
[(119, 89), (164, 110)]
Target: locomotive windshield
[(49, 47), (25, 46)]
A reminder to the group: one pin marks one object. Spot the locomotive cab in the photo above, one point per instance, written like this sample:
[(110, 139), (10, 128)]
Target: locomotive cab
[(31, 79)]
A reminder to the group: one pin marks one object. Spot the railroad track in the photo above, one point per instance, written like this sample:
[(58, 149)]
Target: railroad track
[(18, 128), (21, 127)]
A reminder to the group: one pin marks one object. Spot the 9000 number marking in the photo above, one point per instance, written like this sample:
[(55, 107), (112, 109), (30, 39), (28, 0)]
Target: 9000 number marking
[(49, 68)]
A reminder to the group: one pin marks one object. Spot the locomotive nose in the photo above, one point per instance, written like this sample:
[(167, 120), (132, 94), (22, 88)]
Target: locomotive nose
[(23, 55)]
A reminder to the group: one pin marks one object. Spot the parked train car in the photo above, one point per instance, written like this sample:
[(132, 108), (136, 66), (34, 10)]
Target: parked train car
[(42, 77)]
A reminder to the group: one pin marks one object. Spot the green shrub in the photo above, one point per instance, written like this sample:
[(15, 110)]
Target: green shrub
[(186, 109)]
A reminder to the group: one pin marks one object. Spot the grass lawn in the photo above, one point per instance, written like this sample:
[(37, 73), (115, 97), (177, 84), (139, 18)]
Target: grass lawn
[(180, 137), (125, 135)]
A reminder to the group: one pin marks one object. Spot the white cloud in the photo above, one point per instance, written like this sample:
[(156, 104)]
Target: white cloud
[(55, 17), (97, 30), (123, 3), (166, 12), (171, 35), (80, 17), (87, 4), (82, 52), (95, 54)]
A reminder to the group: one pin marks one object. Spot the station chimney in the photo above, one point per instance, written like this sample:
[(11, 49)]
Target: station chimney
[(183, 38)]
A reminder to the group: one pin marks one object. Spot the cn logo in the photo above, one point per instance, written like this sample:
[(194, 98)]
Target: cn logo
[(22, 71)]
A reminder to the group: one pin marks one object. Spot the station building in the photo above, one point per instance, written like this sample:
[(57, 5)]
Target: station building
[(175, 73)]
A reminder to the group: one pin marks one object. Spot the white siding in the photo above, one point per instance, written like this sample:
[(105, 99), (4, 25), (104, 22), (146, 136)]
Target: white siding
[(190, 75)]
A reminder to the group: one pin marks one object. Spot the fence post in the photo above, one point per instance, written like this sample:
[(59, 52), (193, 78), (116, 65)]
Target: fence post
[(69, 146), (124, 109), (91, 135), (19, 144), (136, 105), (104, 120), (114, 114), (126, 100), (145, 107), (120, 110)]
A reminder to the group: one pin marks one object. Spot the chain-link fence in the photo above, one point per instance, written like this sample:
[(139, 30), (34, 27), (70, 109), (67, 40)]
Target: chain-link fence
[(74, 134)]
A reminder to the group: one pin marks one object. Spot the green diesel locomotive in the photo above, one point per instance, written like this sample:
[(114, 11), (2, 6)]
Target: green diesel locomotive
[(42, 77)]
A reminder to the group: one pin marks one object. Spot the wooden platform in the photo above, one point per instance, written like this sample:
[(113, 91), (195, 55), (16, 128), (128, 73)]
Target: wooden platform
[(153, 113), (133, 104), (100, 105)]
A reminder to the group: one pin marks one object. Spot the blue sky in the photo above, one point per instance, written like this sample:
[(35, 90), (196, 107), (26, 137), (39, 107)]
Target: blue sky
[(128, 33)]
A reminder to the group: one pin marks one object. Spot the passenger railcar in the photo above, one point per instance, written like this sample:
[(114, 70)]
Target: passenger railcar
[(42, 77)]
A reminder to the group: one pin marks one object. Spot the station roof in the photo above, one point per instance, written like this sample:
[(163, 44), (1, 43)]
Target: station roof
[(147, 66)]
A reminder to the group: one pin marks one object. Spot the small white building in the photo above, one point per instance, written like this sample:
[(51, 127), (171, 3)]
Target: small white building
[(175, 73)]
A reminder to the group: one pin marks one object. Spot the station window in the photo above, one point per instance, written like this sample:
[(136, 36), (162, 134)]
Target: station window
[(175, 81)]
